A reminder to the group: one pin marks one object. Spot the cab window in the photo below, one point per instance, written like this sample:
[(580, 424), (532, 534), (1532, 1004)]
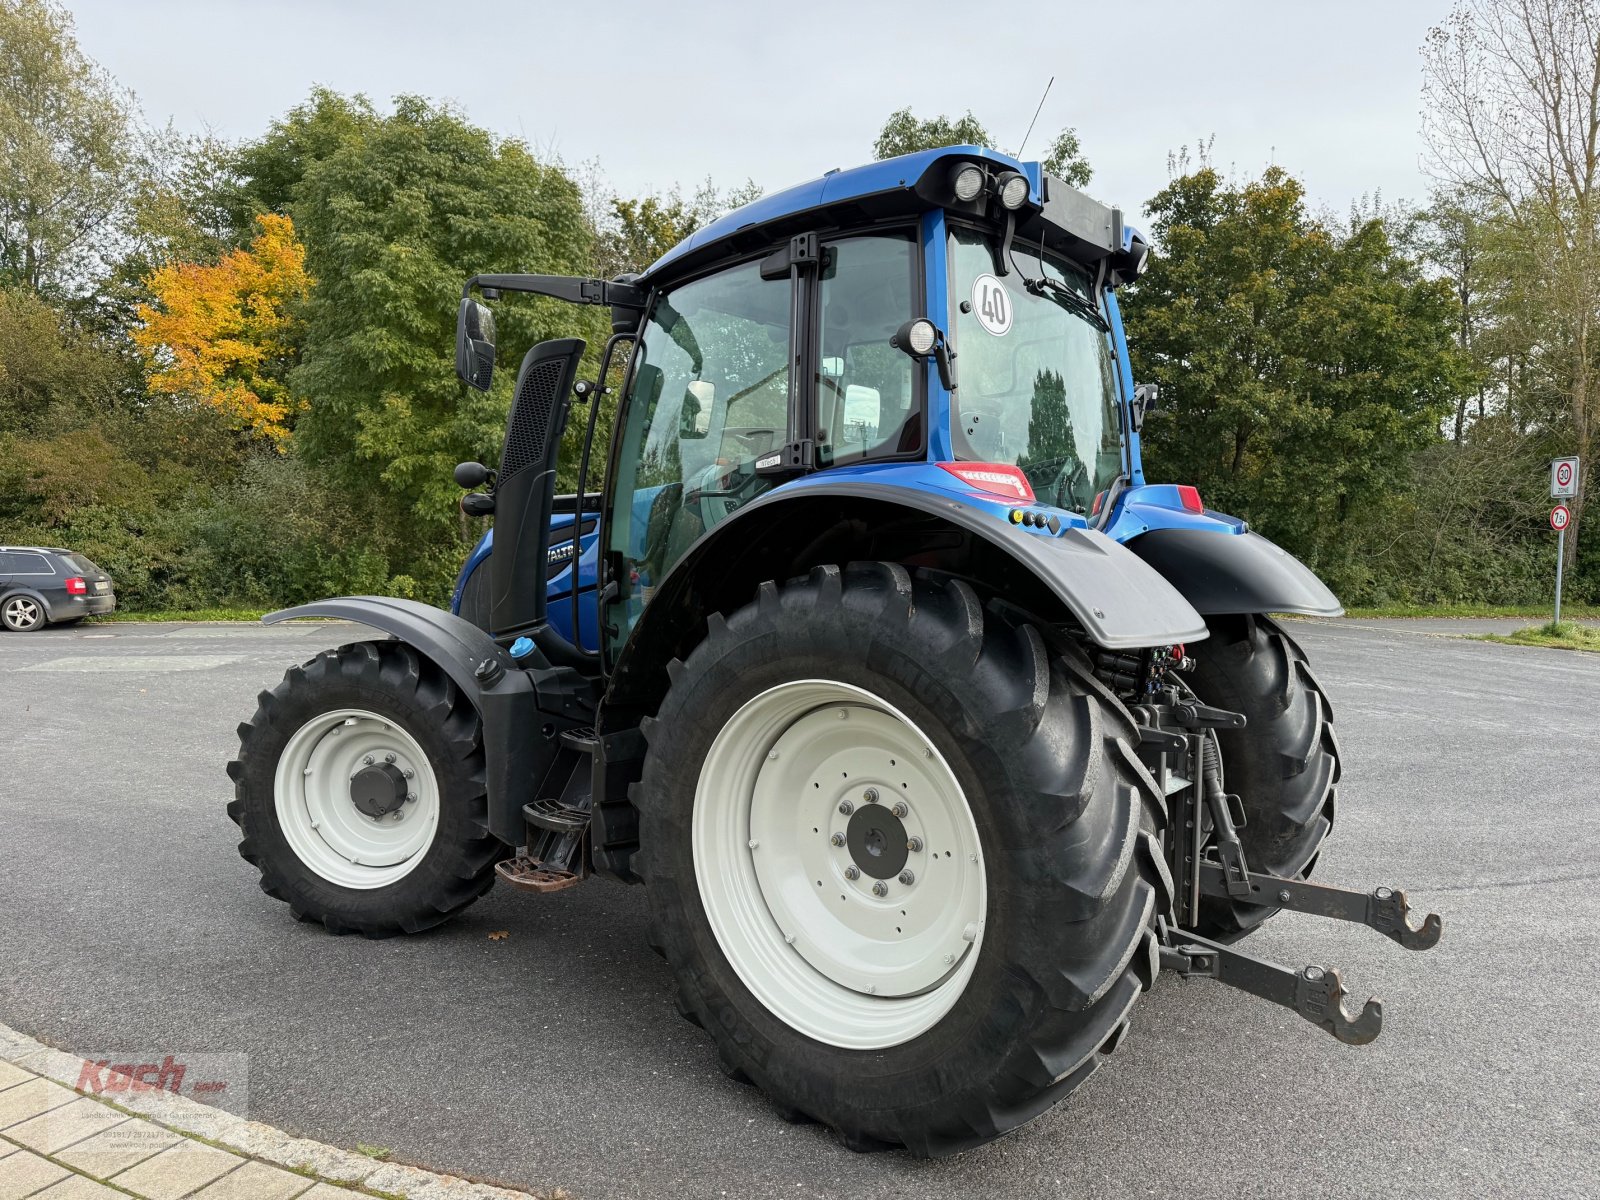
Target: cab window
[(867, 402), (709, 395)]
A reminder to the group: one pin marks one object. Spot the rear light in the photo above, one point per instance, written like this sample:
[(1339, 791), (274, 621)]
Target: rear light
[(77, 587), (1099, 499), (1002, 479), (1189, 497)]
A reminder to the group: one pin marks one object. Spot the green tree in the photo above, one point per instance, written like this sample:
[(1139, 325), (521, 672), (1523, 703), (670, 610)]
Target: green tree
[(632, 232), (65, 145), (904, 133), (1302, 365), (394, 221)]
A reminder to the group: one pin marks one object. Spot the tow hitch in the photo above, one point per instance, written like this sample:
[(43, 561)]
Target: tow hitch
[(1208, 859)]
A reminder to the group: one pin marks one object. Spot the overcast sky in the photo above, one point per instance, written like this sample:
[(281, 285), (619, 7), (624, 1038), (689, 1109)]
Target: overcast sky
[(664, 92)]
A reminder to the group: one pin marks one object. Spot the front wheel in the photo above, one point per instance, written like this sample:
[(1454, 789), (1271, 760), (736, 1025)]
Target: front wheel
[(1284, 764), (359, 791), (900, 857)]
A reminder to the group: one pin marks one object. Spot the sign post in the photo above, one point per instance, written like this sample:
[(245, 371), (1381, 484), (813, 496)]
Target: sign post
[(1560, 518), (1563, 483)]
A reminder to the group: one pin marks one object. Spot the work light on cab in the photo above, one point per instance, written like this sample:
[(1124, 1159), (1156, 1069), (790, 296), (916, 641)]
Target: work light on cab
[(967, 182), (1012, 188)]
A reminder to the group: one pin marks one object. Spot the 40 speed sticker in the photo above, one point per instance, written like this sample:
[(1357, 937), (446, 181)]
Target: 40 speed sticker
[(992, 304)]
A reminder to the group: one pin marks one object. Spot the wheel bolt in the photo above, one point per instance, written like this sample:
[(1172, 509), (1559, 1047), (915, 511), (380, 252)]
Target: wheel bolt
[(870, 795), (368, 760), (900, 810), (880, 888), (852, 872), (907, 878), (846, 807), (837, 839), (388, 758), (411, 797), (914, 845), (948, 959), (409, 773)]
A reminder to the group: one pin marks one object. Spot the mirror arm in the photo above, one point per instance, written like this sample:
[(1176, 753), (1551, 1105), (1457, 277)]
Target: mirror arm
[(570, 288)]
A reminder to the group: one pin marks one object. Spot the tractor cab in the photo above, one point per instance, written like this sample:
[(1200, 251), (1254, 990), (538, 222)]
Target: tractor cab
[(943, 322)]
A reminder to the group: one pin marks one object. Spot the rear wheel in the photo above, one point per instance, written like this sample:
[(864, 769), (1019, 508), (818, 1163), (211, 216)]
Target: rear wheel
[(359, 789), (900, 858), (1283, 764), (22, 614)]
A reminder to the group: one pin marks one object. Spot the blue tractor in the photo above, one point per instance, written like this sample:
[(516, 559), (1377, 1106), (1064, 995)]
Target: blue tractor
[(934, 731)]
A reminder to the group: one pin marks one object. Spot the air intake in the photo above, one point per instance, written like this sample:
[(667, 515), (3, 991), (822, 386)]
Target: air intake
[(526, 487)]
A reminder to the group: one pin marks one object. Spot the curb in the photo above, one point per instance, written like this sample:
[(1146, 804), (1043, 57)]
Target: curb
[(254, 1140)]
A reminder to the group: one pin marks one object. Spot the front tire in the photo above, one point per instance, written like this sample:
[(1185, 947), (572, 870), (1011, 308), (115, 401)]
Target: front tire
[(359, 789), (1284, 764), (938, 1018)]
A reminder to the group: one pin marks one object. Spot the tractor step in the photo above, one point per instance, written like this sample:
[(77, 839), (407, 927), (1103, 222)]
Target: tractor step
[(1384, 909), (530, 875), (1314, 992), (555, 817)]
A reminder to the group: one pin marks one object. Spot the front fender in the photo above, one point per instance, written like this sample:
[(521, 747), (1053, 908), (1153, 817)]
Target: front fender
[(516, 757), (1228, 572)]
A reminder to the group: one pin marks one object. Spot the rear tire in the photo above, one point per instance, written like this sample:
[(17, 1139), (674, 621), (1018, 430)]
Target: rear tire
[(1283, 765), (22, 614), (403, 871), (1038, 761)]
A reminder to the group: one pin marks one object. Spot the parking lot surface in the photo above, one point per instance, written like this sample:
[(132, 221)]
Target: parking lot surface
[(553, 1056)]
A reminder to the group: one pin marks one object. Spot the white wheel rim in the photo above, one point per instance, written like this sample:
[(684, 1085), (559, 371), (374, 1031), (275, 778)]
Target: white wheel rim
[(22, 612), (321, 822), (822, 951)]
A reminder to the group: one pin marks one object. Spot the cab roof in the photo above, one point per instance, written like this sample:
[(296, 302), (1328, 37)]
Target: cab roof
[(885, 181), (1080, 226)]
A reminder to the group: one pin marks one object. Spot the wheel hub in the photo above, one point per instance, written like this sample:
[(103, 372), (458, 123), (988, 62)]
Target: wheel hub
[(378, 790), (878, 843)]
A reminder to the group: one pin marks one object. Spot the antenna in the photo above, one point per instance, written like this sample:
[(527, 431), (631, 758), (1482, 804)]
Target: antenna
[(1036, 113)]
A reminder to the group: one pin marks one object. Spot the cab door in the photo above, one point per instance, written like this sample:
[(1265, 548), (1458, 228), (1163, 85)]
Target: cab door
[(712, 389)]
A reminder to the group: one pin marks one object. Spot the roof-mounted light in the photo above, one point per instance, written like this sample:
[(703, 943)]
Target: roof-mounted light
[(967, 182), (1012, 189)]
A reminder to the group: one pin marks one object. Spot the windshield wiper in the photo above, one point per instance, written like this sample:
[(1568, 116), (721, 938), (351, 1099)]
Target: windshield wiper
[(1068, 298)]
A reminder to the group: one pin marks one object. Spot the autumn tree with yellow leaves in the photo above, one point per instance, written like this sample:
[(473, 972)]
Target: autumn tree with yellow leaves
[(224, 335)]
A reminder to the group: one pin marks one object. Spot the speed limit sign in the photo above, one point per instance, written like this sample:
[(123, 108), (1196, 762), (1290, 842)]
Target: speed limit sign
[(1563, 477), (1560, 517)]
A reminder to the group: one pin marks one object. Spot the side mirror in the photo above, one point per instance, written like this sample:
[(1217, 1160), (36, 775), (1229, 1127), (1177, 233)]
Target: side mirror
[(475, 344), (472, 475), (1146, 400)]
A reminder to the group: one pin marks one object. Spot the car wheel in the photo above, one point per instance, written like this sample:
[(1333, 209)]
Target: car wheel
[(22, 614)]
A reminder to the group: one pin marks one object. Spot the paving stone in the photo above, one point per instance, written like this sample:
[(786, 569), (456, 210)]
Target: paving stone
[(30, 1099), (327, 1162), (256, 1181), (60, 1127), (118, 1148), (24, 1173), (175, 1172), (10, 1075), (76, 1187), (326, 1191)]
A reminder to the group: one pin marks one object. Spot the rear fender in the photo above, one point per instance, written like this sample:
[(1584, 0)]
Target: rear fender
[(1119, 601), (518, 753), (1221, 570)]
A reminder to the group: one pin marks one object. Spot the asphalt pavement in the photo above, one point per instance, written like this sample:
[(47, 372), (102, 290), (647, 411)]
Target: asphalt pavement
[(552, 1057)]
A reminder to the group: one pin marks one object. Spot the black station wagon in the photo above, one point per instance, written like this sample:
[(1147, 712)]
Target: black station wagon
[(45, 585)]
